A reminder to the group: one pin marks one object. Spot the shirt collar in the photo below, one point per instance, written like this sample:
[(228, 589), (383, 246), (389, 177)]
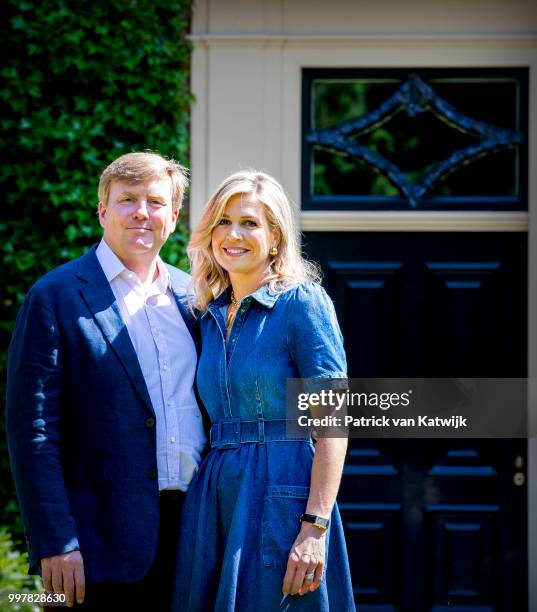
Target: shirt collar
[(113, 266), (164, 280)]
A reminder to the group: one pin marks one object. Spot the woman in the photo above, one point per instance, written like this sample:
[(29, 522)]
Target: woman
[(264, 319)]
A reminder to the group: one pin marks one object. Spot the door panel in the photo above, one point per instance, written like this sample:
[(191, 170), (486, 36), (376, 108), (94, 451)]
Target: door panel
[(432, 524)]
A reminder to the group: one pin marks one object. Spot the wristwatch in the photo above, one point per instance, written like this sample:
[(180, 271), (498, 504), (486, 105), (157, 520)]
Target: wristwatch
[(319, 522)]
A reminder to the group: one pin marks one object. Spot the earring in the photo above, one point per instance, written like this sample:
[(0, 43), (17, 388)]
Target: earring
[(273, 251)]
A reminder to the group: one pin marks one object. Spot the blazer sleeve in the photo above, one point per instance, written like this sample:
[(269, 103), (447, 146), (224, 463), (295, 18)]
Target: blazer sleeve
[(33, 425)]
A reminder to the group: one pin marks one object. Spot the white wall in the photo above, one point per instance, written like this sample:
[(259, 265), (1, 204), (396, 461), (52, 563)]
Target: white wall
[(248, 56), (363, 16)]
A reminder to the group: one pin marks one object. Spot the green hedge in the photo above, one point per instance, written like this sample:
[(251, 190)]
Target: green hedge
[(14, 577), (83, 81)]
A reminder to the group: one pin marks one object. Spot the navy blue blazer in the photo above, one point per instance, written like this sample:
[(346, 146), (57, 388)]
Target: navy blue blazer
[(81, 440)]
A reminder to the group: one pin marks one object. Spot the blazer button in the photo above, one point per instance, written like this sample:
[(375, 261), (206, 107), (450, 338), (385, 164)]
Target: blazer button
[(150, 422), (152, 474)]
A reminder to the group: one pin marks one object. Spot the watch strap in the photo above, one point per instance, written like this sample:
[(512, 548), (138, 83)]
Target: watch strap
[(318, 521)]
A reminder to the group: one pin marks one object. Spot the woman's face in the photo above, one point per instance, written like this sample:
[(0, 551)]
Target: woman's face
[(242, 239)]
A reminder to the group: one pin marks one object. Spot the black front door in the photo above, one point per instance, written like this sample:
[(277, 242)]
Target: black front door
[(437, 525)]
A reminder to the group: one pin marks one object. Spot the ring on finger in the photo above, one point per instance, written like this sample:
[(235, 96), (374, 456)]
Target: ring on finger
[(309, 575)]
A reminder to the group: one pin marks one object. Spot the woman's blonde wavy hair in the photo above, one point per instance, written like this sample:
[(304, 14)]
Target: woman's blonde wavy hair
[(286, 269)]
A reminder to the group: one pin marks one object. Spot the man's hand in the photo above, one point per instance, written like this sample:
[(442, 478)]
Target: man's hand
[(65, 573)]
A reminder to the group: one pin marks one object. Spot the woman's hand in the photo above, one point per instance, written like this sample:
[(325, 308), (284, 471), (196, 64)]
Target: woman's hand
[(306, 561), (307, 554)]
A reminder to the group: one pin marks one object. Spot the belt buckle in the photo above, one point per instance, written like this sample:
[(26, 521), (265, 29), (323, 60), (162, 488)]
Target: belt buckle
[(230, 433)]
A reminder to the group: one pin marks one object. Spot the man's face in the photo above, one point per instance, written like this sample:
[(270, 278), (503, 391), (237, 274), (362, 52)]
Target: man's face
[(137, 219)]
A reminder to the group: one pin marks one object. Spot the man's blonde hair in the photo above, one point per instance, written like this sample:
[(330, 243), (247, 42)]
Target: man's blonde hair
[(139, 167), (286, 269)]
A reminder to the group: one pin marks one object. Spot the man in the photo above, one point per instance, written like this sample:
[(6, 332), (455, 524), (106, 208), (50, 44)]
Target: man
[(104, 431)]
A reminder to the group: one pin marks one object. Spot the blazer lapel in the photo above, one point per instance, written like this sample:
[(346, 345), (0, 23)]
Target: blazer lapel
[(100, 299)]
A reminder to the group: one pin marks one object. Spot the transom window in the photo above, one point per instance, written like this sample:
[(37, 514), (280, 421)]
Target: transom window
[(438, 139)]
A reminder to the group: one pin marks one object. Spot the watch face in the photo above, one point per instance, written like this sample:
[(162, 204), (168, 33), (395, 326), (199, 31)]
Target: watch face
[(318, 521)]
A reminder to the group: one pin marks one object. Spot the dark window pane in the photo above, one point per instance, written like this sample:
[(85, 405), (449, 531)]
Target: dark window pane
[(491, 100), (336, 100), (337, 173), (416, 140), (486, 175)]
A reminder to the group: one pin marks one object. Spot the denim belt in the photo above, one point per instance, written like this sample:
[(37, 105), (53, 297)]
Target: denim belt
[(229, 433)]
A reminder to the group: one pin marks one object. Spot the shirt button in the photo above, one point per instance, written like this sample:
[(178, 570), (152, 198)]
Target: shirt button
[(164, 367), (172, 439), (152, 474), (150, 422)]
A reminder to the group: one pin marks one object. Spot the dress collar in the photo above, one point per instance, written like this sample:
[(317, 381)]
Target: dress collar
[(263, 296)]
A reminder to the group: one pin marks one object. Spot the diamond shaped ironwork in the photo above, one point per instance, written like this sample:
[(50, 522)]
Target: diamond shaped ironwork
[(415, 97)]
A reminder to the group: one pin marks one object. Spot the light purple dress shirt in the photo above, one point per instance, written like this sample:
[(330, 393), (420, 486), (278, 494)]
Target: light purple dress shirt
[(167, 357)]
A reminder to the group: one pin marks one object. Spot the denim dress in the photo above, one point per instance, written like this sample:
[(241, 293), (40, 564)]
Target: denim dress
[(242, 509)]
